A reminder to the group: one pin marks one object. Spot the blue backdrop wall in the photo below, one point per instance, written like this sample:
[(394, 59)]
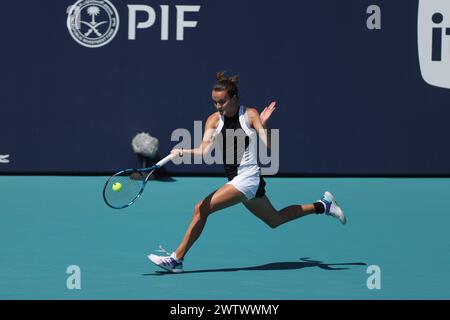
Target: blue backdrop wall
[(351, 100)]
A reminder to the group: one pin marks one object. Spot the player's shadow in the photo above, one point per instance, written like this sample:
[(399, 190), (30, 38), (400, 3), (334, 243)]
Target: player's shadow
[(306, 263)]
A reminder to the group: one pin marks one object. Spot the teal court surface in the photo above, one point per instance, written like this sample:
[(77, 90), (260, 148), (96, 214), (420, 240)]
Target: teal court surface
[(399, 225)]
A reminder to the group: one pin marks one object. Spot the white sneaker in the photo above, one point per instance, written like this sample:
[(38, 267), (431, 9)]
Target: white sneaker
[(169, 262), (332, 208)]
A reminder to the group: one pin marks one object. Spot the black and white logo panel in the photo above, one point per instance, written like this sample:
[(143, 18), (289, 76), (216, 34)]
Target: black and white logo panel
[(93, 23)]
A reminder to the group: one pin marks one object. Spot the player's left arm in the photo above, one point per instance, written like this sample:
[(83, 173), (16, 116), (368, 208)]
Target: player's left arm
[(259, 122)]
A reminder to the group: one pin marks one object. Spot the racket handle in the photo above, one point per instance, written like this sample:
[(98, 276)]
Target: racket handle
[(165, 160)]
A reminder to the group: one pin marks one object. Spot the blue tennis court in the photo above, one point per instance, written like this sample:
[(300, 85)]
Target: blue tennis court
[(50, 223)]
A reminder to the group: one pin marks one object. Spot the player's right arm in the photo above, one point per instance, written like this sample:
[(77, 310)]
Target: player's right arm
[(208, 138)]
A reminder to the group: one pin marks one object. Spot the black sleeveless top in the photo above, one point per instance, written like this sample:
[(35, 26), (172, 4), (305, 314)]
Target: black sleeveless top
[(231, 151)]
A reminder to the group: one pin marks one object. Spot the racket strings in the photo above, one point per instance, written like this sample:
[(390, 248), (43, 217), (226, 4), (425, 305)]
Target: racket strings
[(123, 189)]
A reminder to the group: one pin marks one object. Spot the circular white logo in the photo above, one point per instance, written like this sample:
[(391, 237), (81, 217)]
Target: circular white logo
[(93, 23)]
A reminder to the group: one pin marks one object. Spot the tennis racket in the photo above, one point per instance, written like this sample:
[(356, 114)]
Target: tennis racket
[(123, 188)]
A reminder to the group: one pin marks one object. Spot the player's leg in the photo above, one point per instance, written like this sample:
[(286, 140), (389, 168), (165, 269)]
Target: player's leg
[(264, 210), (222, 198)]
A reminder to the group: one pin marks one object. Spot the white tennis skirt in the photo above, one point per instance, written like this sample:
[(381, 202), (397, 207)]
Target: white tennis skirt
[(247, 183)]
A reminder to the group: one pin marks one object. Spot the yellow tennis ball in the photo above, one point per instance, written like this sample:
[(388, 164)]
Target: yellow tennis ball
[(117, 187)]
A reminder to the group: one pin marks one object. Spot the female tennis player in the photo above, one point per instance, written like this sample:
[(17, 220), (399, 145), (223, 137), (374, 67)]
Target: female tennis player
[(245, 182)]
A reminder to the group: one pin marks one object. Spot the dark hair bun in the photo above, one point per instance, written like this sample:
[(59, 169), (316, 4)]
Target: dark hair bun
[(220, 76)]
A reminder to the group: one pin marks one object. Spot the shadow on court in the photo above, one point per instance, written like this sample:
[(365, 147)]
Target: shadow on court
[(307, 263)]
